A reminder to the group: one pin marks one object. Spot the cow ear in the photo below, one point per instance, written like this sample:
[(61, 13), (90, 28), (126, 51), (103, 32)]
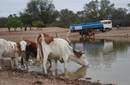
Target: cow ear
[(48, 39)]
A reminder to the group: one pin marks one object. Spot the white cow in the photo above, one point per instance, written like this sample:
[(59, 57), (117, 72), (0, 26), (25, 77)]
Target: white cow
[(9, 49), (57, 48)]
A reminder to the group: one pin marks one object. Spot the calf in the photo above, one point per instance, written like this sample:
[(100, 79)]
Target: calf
[(57, 48), (28, 49)]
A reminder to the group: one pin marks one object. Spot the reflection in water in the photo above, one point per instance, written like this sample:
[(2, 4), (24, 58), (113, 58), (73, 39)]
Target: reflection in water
[(79, 73), (108, 60), (99, 51)]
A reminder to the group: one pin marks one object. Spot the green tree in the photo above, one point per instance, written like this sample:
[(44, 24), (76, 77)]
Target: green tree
[(38, 23), (98, 9), (3, 21), (14, 22), (41, 10), (129, 5), (82, 17), (26, 20), (119, 13), (91, 9), (106, 9), (68, 17)]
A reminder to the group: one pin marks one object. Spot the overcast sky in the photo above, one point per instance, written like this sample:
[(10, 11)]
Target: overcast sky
[(15, 6)]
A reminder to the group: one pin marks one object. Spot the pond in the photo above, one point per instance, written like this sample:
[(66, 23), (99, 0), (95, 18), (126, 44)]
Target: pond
[(109, 61)]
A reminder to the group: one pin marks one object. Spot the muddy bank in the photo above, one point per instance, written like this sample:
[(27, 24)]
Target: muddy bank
[(18, 77), (23, 77), (121, 34)]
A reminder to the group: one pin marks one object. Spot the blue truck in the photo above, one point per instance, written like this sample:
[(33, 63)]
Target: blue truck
[(85, 29)]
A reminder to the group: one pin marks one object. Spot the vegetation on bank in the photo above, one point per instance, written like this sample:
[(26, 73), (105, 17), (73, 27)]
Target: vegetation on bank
[(42, 13)]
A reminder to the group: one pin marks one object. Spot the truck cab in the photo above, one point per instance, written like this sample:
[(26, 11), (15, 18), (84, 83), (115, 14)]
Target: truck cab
[(107, 24)]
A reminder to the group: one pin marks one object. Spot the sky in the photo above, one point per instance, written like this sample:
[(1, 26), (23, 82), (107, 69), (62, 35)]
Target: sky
[(8, 7)]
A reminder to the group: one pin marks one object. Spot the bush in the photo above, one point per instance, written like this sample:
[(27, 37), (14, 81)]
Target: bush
[(38, 23)]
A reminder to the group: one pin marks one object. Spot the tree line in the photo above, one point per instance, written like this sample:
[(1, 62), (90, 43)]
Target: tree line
[(42, 13)]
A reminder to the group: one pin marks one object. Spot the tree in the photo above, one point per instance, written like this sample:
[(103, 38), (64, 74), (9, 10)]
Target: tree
[(14, 22), (41, 10), (129, 5), (26, 20), (106, 9), (91, 9), (67, 17), (38, 24), (119, 13), (98, 10), (3, 22)]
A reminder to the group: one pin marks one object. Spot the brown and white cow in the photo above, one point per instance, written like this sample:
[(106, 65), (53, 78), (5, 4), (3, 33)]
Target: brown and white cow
[(57, 48), (27, 49)]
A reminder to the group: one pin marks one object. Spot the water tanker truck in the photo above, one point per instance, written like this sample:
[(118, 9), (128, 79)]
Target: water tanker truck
[(89, 28)]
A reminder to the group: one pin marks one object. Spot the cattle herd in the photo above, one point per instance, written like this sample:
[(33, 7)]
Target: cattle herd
[(46, 49)]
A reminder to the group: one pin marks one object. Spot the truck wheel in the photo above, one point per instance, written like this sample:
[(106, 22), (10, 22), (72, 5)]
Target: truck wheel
[(103, 30)]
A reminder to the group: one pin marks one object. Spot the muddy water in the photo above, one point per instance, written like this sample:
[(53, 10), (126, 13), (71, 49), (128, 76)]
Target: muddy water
[(109, 60)]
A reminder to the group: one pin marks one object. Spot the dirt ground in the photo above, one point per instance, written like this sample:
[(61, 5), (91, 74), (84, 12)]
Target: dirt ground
[(9, 77), (121, 34)]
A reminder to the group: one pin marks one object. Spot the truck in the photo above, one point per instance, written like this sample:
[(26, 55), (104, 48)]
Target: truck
[(88, 29)]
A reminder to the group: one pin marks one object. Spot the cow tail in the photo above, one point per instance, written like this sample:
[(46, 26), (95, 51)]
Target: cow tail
[(67, 37), (39, 47)]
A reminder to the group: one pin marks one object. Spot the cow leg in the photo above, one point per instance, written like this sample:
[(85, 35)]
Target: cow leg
[(26, 65), (65, 58), (12, 63), (27, 60), (22, 61), (44, 64), (50, 64), (38, 53), (16, 62), (65, 68), (56, 71)]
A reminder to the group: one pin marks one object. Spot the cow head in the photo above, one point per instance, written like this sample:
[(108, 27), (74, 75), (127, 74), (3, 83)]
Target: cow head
[(23, 45), (78, 54), (80, 57), (44, 38)]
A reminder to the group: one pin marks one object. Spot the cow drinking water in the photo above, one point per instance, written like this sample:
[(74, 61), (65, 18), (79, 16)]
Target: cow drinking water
[(57, 48)]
